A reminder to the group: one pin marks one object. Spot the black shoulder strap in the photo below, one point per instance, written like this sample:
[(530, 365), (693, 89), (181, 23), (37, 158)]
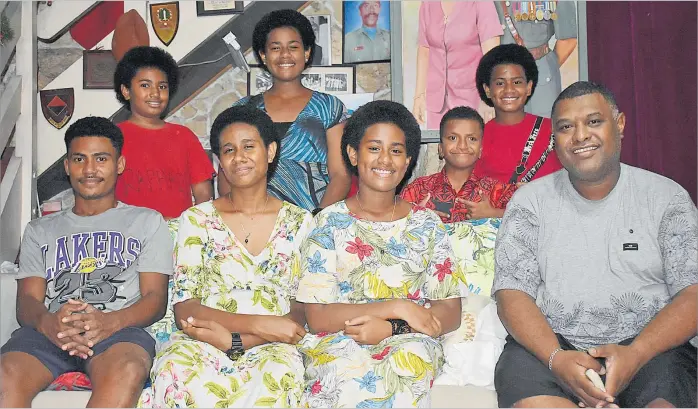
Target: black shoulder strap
[(527, 150), (543, 157)]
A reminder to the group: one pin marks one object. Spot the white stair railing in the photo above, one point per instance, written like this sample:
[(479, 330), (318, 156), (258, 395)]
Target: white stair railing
[(18, 112), (56, 19), (99, 102)]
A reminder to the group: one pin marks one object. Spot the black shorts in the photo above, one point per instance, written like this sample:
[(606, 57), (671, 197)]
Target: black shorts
[(32, 342), (670, 375)]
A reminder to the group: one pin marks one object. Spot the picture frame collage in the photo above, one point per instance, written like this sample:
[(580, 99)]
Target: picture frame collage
[(359, 46), (334, 79)]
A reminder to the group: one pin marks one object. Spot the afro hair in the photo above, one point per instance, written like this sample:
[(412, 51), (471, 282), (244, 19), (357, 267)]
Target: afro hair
[(505, 54), (282, 18), (144, 57), (382, 112), (460, 113)]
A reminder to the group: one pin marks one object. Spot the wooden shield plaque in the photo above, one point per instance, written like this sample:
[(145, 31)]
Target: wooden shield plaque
[(57, 105), (165, 20)]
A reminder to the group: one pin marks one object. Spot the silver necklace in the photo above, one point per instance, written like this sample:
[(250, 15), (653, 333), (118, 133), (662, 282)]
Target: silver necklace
[(392, 215), (247, 237)]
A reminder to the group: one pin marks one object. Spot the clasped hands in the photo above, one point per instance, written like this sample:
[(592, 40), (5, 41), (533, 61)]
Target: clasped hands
[(622, 363), (371, 330), (77, 327), (270, 328)]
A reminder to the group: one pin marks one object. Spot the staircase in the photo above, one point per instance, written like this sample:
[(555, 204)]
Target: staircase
[(17, 126), (194, 42), (56, 19)]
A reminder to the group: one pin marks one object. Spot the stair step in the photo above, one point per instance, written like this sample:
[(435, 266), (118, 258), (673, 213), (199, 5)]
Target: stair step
[(192, 79)]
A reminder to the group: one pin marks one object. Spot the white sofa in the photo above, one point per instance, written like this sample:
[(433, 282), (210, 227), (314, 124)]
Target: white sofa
[(443, 396)]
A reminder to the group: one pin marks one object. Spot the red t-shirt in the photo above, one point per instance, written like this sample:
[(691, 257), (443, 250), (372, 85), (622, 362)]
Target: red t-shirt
[(502, 146), (161, 167)]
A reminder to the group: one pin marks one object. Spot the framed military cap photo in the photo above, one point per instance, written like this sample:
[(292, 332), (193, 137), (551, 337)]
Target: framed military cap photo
[(365, 31)]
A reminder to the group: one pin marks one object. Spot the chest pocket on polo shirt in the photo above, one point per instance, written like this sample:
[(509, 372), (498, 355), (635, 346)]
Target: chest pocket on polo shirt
[(634, 250)]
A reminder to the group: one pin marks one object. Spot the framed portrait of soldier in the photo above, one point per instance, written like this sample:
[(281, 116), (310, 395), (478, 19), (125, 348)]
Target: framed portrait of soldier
[(365, 31), (323, 40)]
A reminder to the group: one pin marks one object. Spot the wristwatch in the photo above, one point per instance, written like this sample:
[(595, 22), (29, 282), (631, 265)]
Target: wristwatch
[(236, 350), (399, 326)]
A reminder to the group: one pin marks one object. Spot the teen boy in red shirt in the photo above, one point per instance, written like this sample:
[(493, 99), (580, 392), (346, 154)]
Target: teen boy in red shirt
[(517, 147), (165, 162)]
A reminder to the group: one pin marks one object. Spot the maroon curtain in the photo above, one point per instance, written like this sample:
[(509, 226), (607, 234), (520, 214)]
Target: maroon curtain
[(645, 53)]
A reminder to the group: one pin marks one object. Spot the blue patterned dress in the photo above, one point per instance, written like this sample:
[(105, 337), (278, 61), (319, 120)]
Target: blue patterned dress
[(302, 176)]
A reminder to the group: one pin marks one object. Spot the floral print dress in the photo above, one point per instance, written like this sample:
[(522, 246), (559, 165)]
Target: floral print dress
[(349, 260), (213, 266)]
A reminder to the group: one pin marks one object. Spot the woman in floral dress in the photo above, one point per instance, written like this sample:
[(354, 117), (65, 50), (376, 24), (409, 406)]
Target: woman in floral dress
[(237, 268), (379, 281)]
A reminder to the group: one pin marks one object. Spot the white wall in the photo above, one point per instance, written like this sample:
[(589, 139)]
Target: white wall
[(192, 31)]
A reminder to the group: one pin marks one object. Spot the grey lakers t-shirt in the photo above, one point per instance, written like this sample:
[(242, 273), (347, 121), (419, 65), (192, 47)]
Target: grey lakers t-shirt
[(96, 258), (599, 270)]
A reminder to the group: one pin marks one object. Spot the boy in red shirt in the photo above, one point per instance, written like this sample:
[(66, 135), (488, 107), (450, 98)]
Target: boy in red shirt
[(165, 162), (517, 147), (455, 193)]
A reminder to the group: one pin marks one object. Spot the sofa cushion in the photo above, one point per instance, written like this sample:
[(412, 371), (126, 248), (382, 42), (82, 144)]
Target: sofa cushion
[(473, 244), (162, 329)]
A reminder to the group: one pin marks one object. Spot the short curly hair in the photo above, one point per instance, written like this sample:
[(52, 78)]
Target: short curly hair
[(144, 57), (251, 116), (282, 18), (382, 112), (460, 112), (95, 126), (505, 54), (582, 88)]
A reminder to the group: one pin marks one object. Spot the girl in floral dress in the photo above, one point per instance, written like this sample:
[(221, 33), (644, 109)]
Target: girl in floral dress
[(379, 281), (237, 268)]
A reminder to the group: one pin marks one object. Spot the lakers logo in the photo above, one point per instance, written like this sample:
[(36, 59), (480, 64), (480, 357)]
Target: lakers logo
[(84, 267), (88, 265)]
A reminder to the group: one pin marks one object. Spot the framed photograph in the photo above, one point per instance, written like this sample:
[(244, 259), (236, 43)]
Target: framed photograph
[(405, 51), (216, 7), (323, 39), (335, 79), (258, 80), (98, 69), (365, 31)]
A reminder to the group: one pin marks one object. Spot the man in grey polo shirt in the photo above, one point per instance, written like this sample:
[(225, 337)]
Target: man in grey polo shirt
[(596, 267), (90, 279)]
